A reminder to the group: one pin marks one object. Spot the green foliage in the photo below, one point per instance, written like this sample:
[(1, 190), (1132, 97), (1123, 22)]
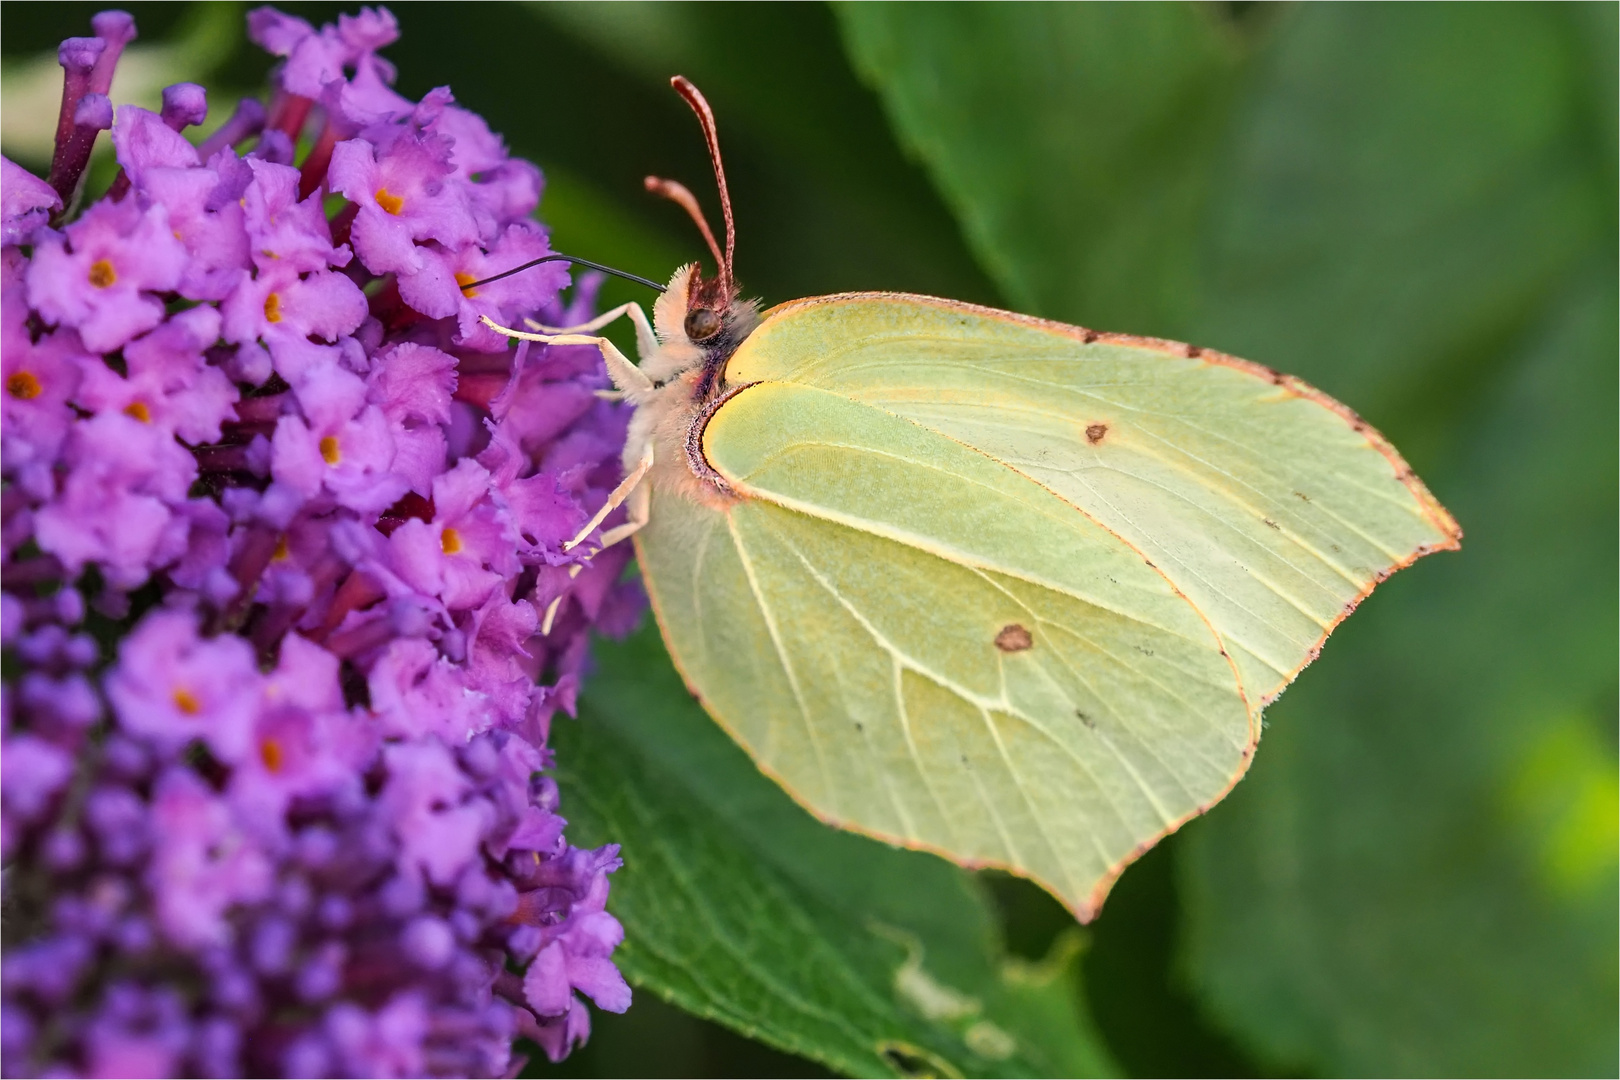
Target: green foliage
[(1413, 208), (743, 909), (1075, 144)]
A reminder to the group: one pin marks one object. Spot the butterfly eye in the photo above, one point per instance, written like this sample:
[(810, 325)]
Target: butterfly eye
[(702, 323)]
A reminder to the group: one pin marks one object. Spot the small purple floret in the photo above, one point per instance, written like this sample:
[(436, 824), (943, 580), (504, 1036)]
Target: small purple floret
[(25, 203), (184, 105)]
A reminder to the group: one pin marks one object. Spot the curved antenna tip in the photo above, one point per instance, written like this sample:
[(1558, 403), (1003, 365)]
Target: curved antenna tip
[(694, 97), (677, 193)]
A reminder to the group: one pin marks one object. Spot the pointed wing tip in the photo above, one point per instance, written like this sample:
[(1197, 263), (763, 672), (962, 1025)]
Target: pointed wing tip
[(1433, 510), (1448, 532), (1450, 539)]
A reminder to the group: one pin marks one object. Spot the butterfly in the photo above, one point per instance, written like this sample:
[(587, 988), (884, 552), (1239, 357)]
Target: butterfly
[(988, 585)]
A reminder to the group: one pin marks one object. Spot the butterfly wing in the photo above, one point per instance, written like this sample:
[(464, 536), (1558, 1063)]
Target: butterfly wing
[(920, 615), (1272, 507), (925, 646)]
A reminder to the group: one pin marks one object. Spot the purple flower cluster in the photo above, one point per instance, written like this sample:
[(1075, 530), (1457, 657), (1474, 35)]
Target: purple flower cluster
[(286, 608)]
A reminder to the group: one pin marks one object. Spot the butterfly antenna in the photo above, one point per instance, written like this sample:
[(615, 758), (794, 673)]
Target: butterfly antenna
[(677, 193), (683, 86), (637, 278)]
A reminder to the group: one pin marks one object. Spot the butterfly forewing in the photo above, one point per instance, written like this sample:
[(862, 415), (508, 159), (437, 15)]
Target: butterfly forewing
[(1270, 506)]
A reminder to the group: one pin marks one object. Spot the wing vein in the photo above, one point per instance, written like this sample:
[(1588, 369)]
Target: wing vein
[(982, 704), (948, 554), (781, 655), (1029, 803), (911, 745), (1081, 677)]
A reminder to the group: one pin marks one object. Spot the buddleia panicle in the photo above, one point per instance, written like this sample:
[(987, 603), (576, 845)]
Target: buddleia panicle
[(283, 523)]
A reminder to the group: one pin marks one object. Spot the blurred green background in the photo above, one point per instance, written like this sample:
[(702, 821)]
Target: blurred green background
[(1412, 207)]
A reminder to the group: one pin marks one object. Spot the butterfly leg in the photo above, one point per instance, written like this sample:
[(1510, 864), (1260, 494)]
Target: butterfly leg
[(639, 506), (646, 340), (551, 608), (630, 492), (626, 489), (625, 375)]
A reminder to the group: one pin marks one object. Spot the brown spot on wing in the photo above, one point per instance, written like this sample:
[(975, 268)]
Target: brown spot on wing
[(1014, 638), (1095, 433)]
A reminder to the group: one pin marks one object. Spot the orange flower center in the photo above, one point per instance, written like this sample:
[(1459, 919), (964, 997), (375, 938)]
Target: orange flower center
[(389, 201), (139, 411), (272, 308), (102, 273), (465, 279), (186, 701), (281, 548), (270, 753), (330, 450), (24, 385), (450, 541)]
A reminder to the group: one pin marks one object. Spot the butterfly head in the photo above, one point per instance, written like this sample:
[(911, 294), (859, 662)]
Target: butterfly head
[(696, 318), (708, 313)]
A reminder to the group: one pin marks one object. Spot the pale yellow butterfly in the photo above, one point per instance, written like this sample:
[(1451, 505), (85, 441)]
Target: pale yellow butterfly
[(996, 587)]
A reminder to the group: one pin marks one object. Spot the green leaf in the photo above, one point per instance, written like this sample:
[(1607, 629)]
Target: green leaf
[(1419, 875), (1412, 212), (744, 909), (824, 200), (1075, 142), (1404, 190), (1413, 207)]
